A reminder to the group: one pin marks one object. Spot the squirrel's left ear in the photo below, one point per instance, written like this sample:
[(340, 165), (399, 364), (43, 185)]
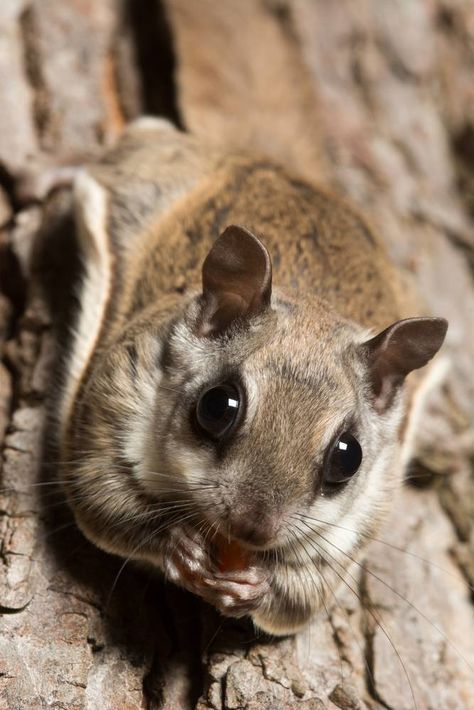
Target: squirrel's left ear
[(402, 347), (236, 281)]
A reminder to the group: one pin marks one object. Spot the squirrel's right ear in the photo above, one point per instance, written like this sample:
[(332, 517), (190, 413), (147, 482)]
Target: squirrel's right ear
[(236, 280), (398, 350)]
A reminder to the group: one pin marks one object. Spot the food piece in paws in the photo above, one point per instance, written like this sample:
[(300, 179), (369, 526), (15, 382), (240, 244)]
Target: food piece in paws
[(231, 555)]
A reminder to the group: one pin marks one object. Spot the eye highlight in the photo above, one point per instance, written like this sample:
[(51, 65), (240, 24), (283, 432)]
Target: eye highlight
[(217, 409), (345, 457)]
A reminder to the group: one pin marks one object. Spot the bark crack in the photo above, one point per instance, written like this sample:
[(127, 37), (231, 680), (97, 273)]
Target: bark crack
[(368, 632), (154, 56)]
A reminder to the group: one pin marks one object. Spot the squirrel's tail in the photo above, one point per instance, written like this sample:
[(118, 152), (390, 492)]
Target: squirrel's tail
[(242, 80)]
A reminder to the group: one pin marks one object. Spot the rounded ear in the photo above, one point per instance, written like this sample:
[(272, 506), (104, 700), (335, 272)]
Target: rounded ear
[(402, 347), (236, 280)]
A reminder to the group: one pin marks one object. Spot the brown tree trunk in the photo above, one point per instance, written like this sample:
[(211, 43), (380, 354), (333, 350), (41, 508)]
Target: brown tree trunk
[(376, 99)]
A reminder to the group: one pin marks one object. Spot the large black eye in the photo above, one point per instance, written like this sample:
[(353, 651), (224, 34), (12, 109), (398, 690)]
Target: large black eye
[(344, 459), (217, 409)]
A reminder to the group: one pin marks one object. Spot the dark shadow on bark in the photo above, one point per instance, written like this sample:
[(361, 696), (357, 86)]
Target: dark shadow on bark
[(155, 57)]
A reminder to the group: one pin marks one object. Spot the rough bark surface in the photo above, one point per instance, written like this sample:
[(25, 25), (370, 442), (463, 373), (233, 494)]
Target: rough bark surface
[(378, 98)]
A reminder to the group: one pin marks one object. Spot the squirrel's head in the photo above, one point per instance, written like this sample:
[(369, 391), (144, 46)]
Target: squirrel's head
[(251, 412), (267, 408)]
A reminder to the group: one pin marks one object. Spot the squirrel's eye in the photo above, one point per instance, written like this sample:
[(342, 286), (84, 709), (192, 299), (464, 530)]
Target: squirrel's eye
[(344, 459), (217, 409)]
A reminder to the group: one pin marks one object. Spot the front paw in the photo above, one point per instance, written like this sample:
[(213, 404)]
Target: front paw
[(187, 562), (237, 593)]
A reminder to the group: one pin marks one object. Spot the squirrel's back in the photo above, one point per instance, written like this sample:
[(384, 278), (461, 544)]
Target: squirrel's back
[(170, 196)]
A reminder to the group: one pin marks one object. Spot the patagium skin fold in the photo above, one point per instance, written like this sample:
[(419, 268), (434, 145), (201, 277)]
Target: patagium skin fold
[(236, 373)]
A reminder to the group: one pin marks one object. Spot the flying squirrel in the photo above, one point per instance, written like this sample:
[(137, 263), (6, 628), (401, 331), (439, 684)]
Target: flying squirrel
[(234, 404)]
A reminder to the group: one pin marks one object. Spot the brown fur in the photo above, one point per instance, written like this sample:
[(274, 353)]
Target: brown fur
[(302, 360)]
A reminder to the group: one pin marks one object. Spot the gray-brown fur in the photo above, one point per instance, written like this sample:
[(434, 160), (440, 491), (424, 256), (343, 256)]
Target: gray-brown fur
[(302, 362)]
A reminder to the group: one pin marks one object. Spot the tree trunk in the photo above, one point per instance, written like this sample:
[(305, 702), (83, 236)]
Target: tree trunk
[(377, 100)]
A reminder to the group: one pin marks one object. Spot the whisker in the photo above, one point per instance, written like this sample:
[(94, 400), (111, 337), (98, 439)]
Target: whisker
[(213, 638), (216, 531), (319, 572), (170, 389), (151, 514), (135, 550), (397, 593), (306, 570), (339, 605), (435, 565), (369, 611), (196, 476)]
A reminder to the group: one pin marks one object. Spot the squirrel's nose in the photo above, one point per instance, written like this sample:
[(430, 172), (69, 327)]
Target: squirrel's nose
[(253, 526)]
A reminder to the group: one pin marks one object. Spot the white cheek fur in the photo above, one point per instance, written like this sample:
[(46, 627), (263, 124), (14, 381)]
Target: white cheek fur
[(138, 439), (338, 530), (194, 466), (251, 388)]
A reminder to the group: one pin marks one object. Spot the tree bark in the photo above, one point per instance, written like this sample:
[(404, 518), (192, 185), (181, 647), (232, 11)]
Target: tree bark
[(375, 99)]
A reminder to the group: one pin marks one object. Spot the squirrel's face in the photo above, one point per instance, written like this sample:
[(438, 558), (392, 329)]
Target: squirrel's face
[(271, 422), (279, 414), (254, 416)]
